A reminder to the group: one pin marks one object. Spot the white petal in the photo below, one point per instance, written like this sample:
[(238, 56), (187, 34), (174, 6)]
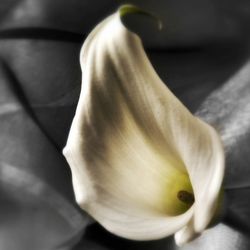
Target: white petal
[(131, 141), (206, 171), (186, 234)]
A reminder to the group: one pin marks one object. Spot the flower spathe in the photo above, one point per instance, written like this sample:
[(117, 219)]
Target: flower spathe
[(142, 165)]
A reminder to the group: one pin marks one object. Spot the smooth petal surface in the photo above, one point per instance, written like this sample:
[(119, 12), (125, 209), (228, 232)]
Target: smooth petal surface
[(133, 146)]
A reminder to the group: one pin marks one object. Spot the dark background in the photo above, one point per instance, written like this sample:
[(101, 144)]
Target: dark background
[(202, 54)]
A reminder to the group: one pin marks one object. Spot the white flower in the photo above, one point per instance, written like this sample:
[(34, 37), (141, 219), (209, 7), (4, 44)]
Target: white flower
[(142, 165)]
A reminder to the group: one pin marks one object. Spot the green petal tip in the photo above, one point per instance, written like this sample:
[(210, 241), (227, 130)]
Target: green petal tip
[(131, 9)]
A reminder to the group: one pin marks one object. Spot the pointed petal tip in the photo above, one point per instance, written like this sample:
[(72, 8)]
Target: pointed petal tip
[(126, 9)]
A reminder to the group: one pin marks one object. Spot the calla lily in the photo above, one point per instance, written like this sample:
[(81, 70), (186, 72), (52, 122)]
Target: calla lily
[(142, 165)]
